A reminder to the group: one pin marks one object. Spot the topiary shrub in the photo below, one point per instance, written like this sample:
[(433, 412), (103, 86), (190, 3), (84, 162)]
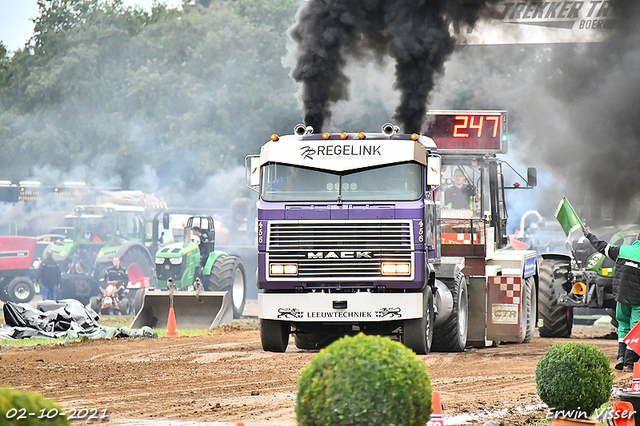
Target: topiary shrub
[(574, 379), (16, 408), (364, 380)]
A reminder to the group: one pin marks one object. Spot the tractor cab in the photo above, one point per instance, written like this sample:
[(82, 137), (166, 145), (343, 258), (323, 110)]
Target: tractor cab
[(204, 228)]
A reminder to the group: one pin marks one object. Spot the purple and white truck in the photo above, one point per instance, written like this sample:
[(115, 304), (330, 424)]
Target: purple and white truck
[(354, 236)]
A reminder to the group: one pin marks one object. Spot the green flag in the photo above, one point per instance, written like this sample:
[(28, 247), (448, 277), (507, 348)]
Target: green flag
[(567, 217)]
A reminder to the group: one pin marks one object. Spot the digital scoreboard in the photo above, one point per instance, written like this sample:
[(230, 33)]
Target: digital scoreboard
[(468, 131)]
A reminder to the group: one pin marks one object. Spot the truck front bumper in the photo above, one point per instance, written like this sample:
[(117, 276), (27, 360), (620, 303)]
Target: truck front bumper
[(340, 307)]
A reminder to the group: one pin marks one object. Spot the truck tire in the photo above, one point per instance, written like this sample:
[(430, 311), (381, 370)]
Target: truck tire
[(274, 335), (530, 300), (227, 274), (140, 255), (21, 290), (557, 320), (452, 335), (417, 334)]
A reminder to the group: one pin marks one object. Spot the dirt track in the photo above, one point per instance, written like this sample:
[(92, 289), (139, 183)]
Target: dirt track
[(227, 377)]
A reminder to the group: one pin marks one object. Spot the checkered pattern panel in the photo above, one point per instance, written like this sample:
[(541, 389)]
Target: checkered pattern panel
[(449, 238), (511, 288)]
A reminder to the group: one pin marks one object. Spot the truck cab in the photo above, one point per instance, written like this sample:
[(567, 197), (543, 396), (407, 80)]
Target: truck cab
[(343, 244)]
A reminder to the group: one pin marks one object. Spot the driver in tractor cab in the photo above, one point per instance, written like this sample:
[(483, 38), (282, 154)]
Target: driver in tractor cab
[(460, 195), (115, 273), (203, 245)]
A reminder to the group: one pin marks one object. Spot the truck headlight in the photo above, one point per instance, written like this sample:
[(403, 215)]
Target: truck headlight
[(175, 260), (159, 260), (593, 260), (396, 269), (283, 269)]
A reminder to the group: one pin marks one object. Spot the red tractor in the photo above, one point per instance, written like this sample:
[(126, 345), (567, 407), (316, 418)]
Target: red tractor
[(16, 268)]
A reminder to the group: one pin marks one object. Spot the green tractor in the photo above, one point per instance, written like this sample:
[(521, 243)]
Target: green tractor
[(582, 279), (196, 259), (100, 233)]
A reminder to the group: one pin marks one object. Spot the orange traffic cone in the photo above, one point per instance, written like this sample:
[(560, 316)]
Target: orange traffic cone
[(623, 413), (635, 384), (436, 418), (172, 327)]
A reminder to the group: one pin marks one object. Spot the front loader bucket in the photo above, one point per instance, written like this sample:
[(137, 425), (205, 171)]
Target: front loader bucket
[(200, 311)]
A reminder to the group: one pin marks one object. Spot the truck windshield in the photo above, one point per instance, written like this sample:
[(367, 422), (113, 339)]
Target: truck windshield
[(398, 182)]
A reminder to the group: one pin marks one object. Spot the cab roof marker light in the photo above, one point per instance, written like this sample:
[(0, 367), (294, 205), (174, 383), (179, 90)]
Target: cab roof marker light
[(361, 136), (274, 137), (414, 136), (343, 135), (326, 136)]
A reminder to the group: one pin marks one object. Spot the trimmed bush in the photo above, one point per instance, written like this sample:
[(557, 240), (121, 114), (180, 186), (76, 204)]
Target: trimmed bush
[(15, 407), (364, 380), (574, 377)]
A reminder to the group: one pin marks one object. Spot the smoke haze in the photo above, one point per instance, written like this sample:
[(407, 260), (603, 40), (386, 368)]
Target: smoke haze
[(413, 33), (572, 107)]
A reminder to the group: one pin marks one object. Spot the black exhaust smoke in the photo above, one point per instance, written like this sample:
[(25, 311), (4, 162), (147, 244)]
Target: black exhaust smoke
[(413, 32)]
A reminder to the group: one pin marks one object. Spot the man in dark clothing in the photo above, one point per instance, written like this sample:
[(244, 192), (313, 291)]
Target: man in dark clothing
[(115, 273), (459, 195), (48, 277), (626, 290), (203, 234)]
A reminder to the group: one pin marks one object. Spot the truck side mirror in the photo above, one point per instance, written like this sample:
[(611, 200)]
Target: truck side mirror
[(532, 177), (252, 172), (433, 170)]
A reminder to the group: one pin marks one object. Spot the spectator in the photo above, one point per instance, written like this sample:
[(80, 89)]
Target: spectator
[(48, 277)]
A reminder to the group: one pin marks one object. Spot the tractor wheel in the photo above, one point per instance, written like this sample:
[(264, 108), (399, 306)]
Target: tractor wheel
[(274, 335), (557, 320), (417, 334), (21, 290), (125, 307), (529, 308), (610, 311), (452, 335), (4, 296), (140, 255), (94, 303), (228, 274), (138, 300)]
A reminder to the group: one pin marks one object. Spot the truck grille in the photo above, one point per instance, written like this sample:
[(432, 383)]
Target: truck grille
[(340, 250)]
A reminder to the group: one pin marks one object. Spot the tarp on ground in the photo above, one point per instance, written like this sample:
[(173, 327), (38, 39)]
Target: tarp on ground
[(55, 319)]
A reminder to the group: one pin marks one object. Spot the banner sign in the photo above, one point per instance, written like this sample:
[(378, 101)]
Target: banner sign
[(539, 22)]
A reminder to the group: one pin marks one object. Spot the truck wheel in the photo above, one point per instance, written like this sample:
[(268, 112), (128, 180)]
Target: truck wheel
[(274, 335), (21, 290), (228, 274), (417, 334), (529, 308), (452, 335), (139, 255), (557, 320)]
